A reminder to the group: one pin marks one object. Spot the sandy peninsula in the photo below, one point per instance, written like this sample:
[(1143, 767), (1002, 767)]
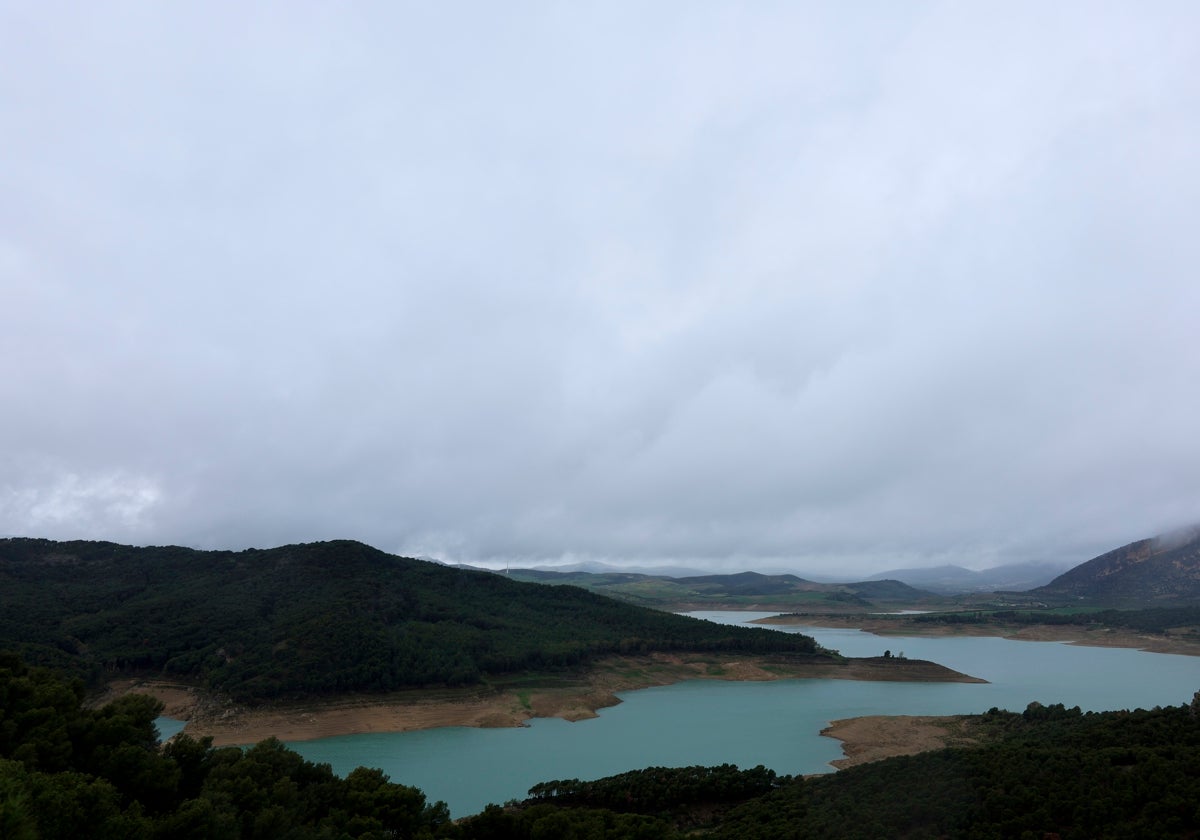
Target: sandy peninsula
[(510, 703), (875, 737)]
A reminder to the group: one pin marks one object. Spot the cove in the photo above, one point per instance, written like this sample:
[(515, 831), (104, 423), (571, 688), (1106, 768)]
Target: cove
[(776, 724)]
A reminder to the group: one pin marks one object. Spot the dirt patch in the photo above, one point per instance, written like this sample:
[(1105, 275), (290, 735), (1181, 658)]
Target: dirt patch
[(876, 737), (179, 700), (510, 703)]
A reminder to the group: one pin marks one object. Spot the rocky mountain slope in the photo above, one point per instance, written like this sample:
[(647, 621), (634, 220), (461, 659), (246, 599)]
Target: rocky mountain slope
[(1161, 570)]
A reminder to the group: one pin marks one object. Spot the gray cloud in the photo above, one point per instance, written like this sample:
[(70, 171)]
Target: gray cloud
[(789, 286)]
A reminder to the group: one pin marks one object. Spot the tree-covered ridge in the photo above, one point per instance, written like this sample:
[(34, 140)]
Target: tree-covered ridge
[(318, 618), (658, 789), (74, 773), (658, 803)]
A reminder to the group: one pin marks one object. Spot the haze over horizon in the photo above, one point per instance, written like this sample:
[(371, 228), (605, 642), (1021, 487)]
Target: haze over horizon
[(794, 287)]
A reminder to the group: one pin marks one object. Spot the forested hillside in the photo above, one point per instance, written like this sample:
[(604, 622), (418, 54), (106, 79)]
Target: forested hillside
[(317, 618), (71, 773), (1049, 772)]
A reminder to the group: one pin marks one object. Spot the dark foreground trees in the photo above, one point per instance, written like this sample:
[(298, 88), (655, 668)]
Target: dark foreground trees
[(71, 772), (1047, 772)]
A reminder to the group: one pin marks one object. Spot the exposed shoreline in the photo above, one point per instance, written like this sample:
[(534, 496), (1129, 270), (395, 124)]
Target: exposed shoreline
[(875, 737), (580, 696), (573, 698), (1070, 634)]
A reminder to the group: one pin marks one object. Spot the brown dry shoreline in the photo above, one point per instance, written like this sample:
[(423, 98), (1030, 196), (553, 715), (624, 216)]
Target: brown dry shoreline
[(864, 739), (874, 737), (512, 704), (1075, 635)]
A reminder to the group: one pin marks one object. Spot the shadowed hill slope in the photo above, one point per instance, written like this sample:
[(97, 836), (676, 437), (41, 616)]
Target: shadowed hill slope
[(317, 618), (1162, 570)]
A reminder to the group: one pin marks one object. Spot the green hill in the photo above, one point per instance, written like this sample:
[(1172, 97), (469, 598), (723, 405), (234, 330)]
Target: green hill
[(317, 618)]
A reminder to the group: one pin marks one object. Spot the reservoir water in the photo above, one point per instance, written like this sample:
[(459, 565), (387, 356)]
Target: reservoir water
[(776, 724)]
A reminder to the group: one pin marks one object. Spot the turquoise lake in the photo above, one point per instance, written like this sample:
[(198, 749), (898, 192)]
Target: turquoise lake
[(776, 724)]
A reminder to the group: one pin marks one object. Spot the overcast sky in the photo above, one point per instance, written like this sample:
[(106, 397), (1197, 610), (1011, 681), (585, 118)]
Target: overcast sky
[(786, 286)]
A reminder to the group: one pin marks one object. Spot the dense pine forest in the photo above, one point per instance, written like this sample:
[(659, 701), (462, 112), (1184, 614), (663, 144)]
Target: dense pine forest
[(71, 772), (318, 618)]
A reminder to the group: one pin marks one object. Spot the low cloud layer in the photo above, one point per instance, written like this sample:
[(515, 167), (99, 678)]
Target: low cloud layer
[(791, 286)]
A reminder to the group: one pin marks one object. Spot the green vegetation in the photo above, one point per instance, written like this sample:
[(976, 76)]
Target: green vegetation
[(74, 773), (1049, 772), (660, 789), (1150, 620), (652, 804), (71, 772), (319, 618)]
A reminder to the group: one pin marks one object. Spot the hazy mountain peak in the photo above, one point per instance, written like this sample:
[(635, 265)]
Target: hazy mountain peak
[(1163, 568)]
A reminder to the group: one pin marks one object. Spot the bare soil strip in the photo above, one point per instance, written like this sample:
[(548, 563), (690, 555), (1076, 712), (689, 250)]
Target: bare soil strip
[(508, 703), (874, 737), (1077, 635)]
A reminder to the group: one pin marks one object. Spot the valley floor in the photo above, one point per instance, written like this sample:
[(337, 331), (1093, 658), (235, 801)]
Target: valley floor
[(507, 703)]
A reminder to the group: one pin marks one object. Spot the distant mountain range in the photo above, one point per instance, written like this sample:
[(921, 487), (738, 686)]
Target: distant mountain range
[(1161, 570), (654, 570), (941, 580), (952, 580), (744, 590)]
